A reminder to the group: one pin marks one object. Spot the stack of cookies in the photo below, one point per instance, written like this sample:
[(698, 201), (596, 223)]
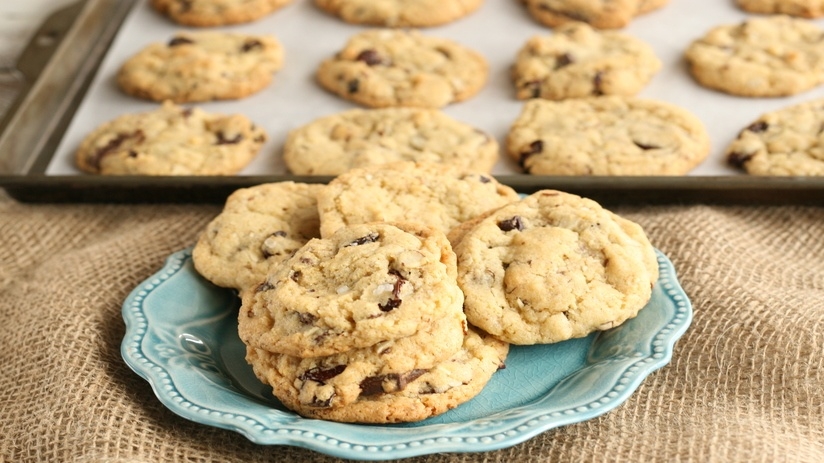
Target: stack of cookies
[(392, 293)]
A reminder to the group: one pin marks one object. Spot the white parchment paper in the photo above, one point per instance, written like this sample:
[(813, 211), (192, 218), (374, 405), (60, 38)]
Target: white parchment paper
[(497, 30)]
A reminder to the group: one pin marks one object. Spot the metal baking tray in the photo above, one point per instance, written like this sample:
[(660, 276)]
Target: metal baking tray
[(58, 65)]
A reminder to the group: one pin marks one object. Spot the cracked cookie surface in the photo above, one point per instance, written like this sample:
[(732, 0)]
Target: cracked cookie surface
[(551, 267), (362, 137), (363, 285), (786, 142), (760, 57), (608, 135), (171, 140), (202, 66), (434, 195), (386, 67), (577, 61), (258, 228), (399, 13), (210, 13), (435, 391), (601, 14)]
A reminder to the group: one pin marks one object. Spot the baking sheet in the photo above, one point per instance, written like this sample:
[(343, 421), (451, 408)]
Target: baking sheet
[(497, 30)]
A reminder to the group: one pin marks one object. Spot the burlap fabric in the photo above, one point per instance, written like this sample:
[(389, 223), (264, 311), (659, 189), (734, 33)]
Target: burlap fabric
[(746, 382)]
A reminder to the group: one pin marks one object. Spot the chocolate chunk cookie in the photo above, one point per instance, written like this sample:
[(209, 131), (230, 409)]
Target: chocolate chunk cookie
[(364, 285), (577, 61), (202, 66), (259, 227), (551, 267), (400, 13), (602, 14), (760, 57), (209, 13), (784, 142), (385, 67), (425, 393), (800, 8), (608, 135), (171, 140), (363, 137), (434, 195)]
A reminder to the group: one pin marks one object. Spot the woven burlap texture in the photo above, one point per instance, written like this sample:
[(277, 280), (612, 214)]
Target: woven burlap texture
[(746, 381)]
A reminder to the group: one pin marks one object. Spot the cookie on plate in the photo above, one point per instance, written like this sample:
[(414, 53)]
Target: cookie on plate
[(399, 13), (786, 142), (259, 227), (607, 135), (386, 67), (364, 285), (333, 144), (760, 57), (426, 393), (202, 66), (577, 61), (613, 14), (171, 140), (552, 267), (800, 8), (434, 195), (210, 13)]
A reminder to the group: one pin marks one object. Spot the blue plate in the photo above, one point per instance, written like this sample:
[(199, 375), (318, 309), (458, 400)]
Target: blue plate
[(181, 336)]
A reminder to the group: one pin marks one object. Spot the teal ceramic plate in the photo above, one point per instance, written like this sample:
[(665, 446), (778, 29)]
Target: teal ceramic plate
[(181, 337)]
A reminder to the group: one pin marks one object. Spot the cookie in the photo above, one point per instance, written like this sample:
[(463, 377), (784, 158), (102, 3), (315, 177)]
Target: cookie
[(399, 13), (171, 140), (426, 393), (384, 67), (210, 13), (363, 137), (786, 142), (364, 285), (259, 227), (340, 379), (578, 61), (607, 135), (760, 57), (202, 66), (800, 8), (433, 195), (612, 14), (552, 267)]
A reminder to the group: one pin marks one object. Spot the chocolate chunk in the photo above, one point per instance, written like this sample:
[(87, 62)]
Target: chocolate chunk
[(320, 375), (370, 238), (485, 179), (113, 145), (759, 126), (597, 82), (563, 60), (251, 44), (374, 385), (645, 146), (514, 223), (534, 148), (738, 159), (222, 140), (179, 41), (534, 88), (295, 276), (306, 318), (353, 86), (370, 57), (265, 286), (395, 301)]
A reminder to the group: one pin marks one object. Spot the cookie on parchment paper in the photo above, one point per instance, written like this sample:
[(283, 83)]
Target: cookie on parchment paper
[(433, 195), (577, 61), (333, 144), (786, 142), (613, 14), (399, 13), (363, 285), (171, 140), (387, 67), (258, 228), (607, 135), (761, 57), (425, 393), (210, 13), (202, 66), (800, 8), (552, 267)]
